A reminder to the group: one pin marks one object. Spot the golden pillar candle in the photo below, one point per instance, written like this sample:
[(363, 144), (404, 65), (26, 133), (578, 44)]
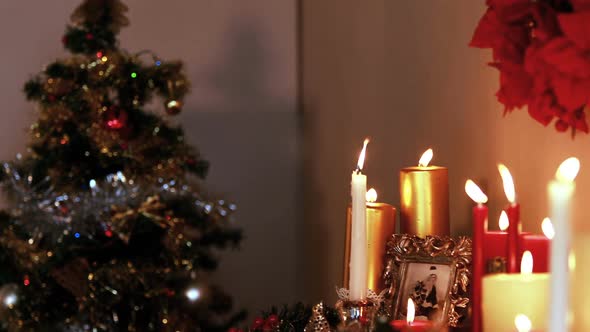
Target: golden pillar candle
[(424, 192), (380, 223)]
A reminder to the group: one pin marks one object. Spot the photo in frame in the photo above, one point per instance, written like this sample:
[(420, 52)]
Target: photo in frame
[(434, 272)]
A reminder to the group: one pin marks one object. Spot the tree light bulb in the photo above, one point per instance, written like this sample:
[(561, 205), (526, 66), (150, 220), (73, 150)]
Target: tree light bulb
[(193, 294)]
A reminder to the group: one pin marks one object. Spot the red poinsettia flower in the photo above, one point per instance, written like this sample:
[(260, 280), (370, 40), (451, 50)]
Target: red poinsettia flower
[(542, 51)]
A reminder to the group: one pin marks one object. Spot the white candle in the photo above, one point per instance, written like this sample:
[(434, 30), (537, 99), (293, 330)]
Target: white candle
[(358, 237), (560, 192)]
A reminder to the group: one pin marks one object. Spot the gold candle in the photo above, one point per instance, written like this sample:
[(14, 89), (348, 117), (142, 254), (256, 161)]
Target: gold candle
[(424, 192), (380, 226)]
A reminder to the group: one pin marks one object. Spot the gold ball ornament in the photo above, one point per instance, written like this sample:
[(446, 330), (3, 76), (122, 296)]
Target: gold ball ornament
[(173, 106)]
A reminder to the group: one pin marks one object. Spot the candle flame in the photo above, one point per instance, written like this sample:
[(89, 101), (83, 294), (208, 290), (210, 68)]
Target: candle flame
[(503, 222), (426, 158), (568, 170), (361, 162), (371, 195), (522, 323), (475, 193), (507, 182), (547, 228), (411, 311), (526, 264)]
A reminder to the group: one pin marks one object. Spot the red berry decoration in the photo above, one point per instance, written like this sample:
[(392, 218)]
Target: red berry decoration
[(267, 327), (115, 118), (258, 322), (273, 320)]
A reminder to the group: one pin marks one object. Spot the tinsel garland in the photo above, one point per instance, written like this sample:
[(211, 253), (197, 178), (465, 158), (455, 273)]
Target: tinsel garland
[(93, 246)]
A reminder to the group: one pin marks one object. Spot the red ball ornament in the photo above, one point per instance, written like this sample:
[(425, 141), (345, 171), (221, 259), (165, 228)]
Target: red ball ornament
[(115, 118), (267, 327), (258, 322), (89, 36)]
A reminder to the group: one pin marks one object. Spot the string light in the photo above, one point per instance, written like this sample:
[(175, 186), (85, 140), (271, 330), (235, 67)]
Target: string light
[(10, 300), (193, 294)]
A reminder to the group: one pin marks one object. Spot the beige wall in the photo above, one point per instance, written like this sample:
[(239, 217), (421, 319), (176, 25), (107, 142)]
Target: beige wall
[(401, 72), (240, 57)]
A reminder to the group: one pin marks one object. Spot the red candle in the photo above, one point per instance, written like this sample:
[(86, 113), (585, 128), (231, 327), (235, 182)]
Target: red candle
[(513, 212), (496, 244), (497, 241), (409, 325), (415, 326), (538, 245), (480, 225)]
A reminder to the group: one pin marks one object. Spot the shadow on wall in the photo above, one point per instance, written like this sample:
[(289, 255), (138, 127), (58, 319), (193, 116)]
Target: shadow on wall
[(239, 80), (250, 137)]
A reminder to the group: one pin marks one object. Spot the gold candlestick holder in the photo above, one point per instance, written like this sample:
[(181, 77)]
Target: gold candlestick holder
[(356, 315)]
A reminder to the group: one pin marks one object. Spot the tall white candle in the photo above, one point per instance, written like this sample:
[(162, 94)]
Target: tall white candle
[(358, 237), (560, 192)]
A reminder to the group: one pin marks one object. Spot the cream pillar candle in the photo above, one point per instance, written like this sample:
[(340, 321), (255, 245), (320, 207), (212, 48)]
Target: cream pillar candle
[(560, 192), (358, 241), (507, 295)]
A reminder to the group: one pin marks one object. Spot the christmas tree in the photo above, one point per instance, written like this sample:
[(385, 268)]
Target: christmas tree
[(109, 228)]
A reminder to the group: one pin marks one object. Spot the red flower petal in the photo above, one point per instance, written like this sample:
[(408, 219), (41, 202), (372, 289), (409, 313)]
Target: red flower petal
[(541, 109), (486, 30), (566, 58), (561, 126), (576, 28), (571, 93), (581, 4), (515, 85)]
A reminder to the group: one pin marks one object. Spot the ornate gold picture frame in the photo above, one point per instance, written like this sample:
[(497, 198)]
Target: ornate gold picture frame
[(433, 271)]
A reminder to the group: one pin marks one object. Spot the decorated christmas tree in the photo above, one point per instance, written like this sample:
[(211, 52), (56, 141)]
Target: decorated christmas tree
[(109, 228)]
